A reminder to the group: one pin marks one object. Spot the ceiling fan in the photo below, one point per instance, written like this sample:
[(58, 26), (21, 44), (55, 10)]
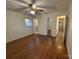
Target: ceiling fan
[(31, 6), (34, 9)]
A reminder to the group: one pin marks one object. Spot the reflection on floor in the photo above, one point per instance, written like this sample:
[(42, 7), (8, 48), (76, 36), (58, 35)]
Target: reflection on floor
[(37, 47)]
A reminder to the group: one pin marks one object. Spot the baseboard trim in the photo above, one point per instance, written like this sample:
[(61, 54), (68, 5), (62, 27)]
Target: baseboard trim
[(68, 52), (45, 35), (28, 36), (20, 38)]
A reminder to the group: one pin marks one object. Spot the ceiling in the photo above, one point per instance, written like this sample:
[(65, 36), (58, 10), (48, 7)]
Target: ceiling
[(47, 5)]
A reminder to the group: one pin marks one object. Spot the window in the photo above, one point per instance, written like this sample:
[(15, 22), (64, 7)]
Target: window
[(28, 22)]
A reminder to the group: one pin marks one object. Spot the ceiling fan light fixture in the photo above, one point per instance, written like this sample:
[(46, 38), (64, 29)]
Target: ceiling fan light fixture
[(33, 6), (32, 12)]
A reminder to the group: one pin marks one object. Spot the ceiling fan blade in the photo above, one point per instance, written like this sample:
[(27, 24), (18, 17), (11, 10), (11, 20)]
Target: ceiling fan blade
[(23, 1), (27, 9), (39, 10), (47, 7), (34, 1), (22, 9), (17, 9), (18, 2)]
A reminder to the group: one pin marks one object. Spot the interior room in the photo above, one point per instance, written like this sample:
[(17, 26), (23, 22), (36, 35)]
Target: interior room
[(38, 29)]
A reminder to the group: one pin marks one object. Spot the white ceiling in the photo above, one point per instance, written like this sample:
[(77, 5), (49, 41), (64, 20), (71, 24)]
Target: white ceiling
[(49, 5)]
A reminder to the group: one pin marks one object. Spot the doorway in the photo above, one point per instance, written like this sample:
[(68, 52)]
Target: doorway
[(61, 23)]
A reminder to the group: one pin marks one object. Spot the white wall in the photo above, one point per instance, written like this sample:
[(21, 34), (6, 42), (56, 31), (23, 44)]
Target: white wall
[(69, 35), (15, 26), (49, 24), (64, 21), (42, 25), (42, 22), (35, 26)]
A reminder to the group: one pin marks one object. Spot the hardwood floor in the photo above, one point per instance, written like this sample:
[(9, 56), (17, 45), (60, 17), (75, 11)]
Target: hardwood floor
[(36, 47)]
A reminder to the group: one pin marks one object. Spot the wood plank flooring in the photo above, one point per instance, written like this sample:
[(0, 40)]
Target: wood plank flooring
[(36, 47)]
